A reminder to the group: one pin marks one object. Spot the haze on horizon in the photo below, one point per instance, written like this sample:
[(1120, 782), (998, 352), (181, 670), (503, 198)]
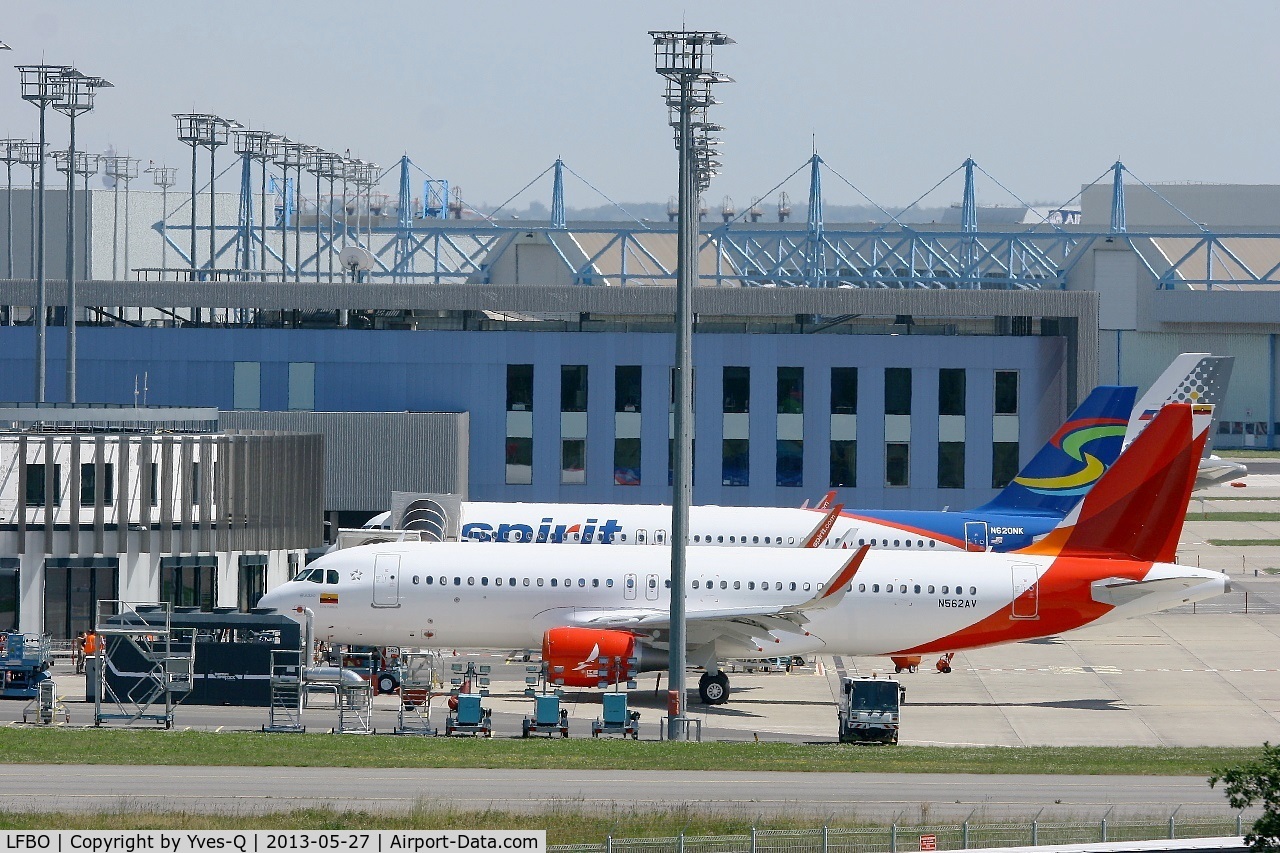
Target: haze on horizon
[(1044, 97)]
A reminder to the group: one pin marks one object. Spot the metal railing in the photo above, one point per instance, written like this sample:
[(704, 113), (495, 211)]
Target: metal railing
[(896, 838)]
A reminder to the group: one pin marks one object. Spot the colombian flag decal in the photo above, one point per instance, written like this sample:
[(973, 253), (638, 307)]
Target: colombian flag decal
[(328, 598)]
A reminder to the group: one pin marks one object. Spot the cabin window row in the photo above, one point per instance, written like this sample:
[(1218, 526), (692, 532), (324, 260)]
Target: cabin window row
[(917, 589)]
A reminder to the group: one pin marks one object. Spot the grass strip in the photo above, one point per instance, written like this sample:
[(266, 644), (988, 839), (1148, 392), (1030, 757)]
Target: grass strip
[(1243, 542), (1233, 516), (255, 749)]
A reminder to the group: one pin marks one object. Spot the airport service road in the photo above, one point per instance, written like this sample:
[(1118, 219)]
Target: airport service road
[(873, 796)]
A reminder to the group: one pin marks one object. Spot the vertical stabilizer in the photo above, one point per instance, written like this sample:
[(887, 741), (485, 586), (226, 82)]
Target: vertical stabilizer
[(1136, 510), (1074, 457)]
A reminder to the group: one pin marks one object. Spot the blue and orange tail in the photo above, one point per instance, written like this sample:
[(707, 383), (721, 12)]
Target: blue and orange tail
[(1137, 509), (1074, 458)]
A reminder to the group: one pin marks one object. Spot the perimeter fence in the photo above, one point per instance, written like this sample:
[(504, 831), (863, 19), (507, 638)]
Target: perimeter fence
[(903, 838)]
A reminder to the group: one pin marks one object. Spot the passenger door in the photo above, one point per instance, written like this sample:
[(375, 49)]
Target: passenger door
[(975, 536), (629, 587), (386, 580), (1026, 592)]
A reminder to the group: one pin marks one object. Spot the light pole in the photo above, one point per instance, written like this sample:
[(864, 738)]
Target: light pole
[(164, 177), (219, 133), (77, 98), (30, 154), (256, 145), (193, 129), (320, 164), (121, 170), (291, 155), (41, 85), (684, 58), (10, 152)]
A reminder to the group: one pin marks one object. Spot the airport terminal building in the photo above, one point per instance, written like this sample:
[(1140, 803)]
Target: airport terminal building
[(907, 367)]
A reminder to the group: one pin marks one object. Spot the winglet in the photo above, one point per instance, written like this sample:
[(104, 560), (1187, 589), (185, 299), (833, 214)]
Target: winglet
[(827, 500), (820, 533), (834, 590)]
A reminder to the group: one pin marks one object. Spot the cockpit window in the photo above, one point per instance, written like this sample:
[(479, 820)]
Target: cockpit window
[(331, 576), (311, 576)]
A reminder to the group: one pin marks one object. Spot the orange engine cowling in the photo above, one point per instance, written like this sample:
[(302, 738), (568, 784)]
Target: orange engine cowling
[(572, 656)]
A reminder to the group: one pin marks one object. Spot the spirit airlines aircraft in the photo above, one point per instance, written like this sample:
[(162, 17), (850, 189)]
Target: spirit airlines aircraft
[(1047, 488), (1110, 558)]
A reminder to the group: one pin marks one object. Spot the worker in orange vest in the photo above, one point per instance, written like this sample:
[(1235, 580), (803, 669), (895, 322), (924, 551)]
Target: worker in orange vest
[(90, 644)]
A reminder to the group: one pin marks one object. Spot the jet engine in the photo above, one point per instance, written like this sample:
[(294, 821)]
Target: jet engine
[(573, 656)]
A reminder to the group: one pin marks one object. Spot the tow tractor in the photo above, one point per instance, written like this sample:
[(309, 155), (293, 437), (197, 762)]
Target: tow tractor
[(870, 710)]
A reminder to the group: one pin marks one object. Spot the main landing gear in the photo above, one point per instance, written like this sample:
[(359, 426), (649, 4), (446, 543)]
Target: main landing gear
[(713, 689)]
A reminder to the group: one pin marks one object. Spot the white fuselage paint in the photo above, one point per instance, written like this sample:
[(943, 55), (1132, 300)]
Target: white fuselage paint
[(647, 524), (465, 607)]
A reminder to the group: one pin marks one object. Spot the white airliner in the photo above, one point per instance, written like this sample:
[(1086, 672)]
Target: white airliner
[(1110, 558), (1027, 509)]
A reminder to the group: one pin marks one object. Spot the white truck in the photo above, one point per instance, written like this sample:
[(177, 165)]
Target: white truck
[(870, 710)]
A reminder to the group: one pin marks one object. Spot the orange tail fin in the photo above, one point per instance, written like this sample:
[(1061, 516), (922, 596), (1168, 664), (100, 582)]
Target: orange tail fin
[(1136, 510)]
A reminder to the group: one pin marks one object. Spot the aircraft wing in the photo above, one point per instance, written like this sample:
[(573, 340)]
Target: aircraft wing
[(734, 623)]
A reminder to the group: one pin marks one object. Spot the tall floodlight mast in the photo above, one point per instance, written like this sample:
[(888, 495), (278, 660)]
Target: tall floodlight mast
[(684, 59), (164, 177), (10, 153), (193, 129), (77, 98), (256, 145), (41, 85)]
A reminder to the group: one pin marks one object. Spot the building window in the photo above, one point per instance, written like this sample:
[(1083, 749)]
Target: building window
[(35, 485), (573, 388), (88, 484), (189, 585), (253, 581), (951, 391), (693, 397), (195, 483), (897, 391), (573, 461), (72, 588), (897, 459), (844, 464), (737, 390), (519, 387), (626, 461), (154, 497), (735, 464), (626, 388), (519, 461), (246, 385), (790, 390), (1006, 392), (951, 465), (844, 390), (10, 594), (302, 386), (790, 463), (1004, 463)]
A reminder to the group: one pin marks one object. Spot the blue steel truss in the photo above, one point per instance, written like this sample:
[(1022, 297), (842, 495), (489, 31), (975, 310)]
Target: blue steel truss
[(814, 253)]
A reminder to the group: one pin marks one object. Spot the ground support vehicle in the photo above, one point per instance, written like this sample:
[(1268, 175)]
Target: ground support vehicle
[(870, 710), (616, 719), (548, 717), (25, 660), (470, 718)]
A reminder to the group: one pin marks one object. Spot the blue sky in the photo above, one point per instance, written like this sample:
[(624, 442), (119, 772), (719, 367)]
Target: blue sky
[(1045, 96)]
